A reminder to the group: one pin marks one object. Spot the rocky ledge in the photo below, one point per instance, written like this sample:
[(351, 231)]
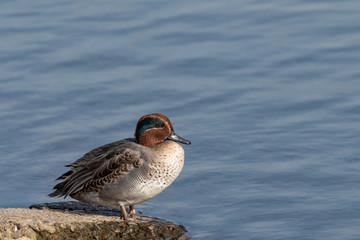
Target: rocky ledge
[(75, 220)]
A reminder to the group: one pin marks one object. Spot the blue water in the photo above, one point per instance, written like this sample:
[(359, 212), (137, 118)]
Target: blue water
[(268, 93)]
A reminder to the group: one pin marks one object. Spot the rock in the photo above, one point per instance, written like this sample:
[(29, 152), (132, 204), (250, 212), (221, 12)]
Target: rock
[(75, 220)]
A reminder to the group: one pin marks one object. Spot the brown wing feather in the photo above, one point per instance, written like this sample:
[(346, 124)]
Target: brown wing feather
[(98, 153), (100, 166), (120, 163)]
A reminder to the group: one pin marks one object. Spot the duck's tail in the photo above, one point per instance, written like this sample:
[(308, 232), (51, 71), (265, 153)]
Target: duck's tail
[(59, 190)]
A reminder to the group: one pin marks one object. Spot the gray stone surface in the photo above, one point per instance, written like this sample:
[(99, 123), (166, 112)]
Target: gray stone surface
[(75, 220)]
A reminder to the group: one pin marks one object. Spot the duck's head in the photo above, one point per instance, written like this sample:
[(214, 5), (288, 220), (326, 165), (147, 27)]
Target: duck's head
[(155, 128)]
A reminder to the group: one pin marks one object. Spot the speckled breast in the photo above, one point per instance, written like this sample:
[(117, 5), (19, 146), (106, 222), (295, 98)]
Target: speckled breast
[(167, 165), (169, 161)]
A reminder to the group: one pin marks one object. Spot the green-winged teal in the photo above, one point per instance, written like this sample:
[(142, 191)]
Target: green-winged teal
[(129, 171)]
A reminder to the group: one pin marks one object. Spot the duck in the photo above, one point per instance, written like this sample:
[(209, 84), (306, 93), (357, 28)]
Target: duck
[(128, 171)]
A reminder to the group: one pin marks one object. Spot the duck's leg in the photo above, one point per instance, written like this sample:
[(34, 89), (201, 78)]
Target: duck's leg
[(132, 213), (123, 212)]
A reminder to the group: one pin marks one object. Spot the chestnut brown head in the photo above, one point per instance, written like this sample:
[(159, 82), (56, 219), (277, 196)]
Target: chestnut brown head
[(155, 128)]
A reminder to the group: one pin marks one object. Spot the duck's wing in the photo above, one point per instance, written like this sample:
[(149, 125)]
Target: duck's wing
[(94, 154), (100, 167)]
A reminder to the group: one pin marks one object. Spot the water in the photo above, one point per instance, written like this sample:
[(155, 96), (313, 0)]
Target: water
[(268, 93)]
